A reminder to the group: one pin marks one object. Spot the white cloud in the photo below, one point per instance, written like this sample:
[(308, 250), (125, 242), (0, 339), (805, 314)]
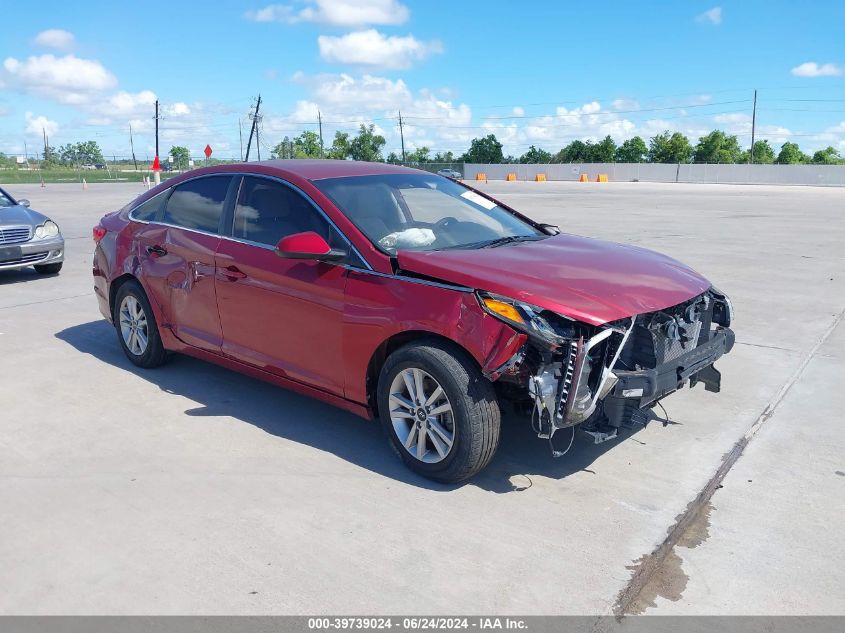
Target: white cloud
[(38, 125), (365, 93), (711, 16), (348, 13), (812, 69), (372, 48), (68, 79), (518, 111), (55, 38)]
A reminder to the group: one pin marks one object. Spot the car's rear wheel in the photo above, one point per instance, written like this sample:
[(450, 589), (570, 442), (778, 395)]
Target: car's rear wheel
[(136, 327), (439, 412), (48, 269)]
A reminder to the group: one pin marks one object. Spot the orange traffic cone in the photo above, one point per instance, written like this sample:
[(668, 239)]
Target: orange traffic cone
[(84, 184), (42, 182)]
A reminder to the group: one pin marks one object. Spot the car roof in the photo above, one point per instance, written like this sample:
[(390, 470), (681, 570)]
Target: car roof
[(317, 169)]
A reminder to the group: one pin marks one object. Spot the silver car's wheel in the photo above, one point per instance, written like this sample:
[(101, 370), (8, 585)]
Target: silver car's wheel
[(421, 415), (133, 325)]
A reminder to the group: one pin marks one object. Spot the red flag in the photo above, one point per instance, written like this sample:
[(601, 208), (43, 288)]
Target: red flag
[(156, 165)]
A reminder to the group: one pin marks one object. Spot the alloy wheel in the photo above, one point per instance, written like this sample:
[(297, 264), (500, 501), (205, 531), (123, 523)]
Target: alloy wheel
[(421, 415), (133, 325)]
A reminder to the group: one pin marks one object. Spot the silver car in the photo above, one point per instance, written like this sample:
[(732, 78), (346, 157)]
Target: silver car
[(28, 238), (450, 173)]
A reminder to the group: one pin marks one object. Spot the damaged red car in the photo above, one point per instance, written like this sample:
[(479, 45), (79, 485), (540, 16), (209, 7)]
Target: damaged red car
[(405, 296)]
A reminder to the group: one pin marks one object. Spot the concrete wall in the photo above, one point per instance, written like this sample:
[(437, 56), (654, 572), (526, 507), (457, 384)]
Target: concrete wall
[(651, 172)]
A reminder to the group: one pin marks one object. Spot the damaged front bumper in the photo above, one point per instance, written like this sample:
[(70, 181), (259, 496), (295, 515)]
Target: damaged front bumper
[(606, 378)]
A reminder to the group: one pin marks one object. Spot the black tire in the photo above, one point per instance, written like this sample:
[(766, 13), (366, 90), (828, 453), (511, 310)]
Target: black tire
[(154, 354), (475, 409), (48, 269)]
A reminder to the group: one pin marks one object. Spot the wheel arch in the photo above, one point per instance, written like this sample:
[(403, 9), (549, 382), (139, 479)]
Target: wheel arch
[(394, 342)]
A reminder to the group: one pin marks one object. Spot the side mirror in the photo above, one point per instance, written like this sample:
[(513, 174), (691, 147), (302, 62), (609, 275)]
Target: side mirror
[(23, 202), (308, 245), (550, 229)]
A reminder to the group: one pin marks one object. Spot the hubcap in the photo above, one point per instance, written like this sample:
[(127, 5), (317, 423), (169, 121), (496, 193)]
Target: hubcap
[(421, 415), (133, 325)]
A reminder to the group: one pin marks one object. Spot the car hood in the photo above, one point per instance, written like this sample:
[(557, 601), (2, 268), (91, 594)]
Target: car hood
[(18, 215), (583, 278)]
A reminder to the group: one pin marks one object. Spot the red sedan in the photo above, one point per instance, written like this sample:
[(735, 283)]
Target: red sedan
[(403, 295)]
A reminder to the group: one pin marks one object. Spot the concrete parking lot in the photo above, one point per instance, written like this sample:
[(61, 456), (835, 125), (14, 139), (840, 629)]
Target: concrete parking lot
[(194, 490)]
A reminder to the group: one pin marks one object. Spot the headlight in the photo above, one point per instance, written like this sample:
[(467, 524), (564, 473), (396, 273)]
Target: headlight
[(48, 229), (527, 318)]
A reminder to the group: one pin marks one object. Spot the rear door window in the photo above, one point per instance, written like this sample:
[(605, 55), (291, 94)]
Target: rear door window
[(198, 204)]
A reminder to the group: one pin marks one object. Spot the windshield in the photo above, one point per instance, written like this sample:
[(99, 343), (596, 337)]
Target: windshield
[(6, 200), (423, 212)]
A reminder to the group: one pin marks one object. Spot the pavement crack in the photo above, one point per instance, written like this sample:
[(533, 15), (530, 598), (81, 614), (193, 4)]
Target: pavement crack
[(35, 303), (648, 571)]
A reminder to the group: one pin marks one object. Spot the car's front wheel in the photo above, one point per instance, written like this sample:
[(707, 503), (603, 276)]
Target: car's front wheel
[(440, 413), (136, 327)]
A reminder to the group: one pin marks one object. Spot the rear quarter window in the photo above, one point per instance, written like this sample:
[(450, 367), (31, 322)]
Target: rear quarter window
[(148, 211), (198, 204)]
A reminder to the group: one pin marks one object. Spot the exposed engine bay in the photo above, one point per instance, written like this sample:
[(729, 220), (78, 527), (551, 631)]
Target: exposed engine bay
[(607, 377)]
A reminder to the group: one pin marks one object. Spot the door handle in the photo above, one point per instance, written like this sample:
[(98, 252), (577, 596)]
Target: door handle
[(156, 250), (233, 274)]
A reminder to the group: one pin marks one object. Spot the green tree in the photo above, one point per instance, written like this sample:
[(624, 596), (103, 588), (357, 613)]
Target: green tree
[(763, 154), (367, 145), (575, 152), (791, 154), (340, 148), (51, 157), (307, 145), (666, 148), (484, 150), (445, 157), (85, 153), (717, 147), (602, 152), (633, 150), (827, 156), (535, 155), (392, 157), (419, 155), (180, 156), (284, 149)]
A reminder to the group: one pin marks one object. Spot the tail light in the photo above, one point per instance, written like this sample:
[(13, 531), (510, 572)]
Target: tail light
[(99, 233)]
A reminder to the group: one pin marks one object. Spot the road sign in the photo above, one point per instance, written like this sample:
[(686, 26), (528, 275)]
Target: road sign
[(207, 151)]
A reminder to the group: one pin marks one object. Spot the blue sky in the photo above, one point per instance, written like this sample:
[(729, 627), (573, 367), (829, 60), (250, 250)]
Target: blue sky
[(541, 73)]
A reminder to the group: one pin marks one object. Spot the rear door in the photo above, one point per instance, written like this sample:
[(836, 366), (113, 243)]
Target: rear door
[(177, 255), (282, 315)]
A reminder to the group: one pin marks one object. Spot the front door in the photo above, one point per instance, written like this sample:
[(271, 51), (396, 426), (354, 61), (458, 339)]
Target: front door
[(282, 315)]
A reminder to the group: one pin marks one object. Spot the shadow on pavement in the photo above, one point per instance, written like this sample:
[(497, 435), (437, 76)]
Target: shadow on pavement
[(288, 415)]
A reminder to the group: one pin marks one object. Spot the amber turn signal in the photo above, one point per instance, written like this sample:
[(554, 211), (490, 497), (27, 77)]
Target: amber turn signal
[(503, 309)]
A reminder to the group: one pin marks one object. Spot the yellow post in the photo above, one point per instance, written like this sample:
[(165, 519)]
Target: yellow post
[(540, 178), (481, 176), (510, 177), (601, 178)]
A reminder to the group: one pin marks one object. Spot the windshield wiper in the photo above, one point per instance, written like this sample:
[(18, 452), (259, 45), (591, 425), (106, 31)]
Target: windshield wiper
[(501, 241)]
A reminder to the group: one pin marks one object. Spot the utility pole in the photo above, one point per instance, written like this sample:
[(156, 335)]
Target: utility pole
[(253, 129), (320, 121), (753, 125), (132, 146), (25, 153), (46, 151), (156, 172), (241, 136), (402, 135)]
